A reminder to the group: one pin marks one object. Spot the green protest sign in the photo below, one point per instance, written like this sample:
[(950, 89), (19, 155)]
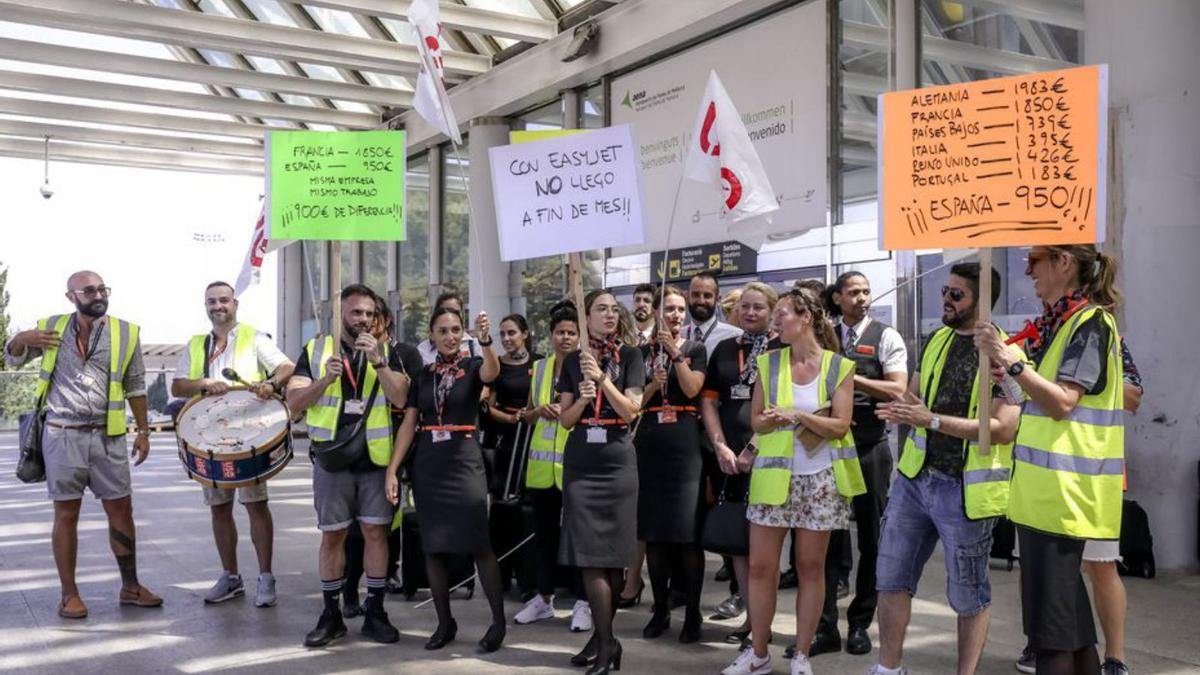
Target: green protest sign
[(336, 185)]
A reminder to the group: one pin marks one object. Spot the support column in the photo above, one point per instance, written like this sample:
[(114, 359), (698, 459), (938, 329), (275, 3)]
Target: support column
[(1154, 232), (290, 295), (488, 277), (906, 46)]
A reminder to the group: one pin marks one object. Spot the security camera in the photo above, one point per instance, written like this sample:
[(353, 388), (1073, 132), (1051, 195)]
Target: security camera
[(47, 193), (582, 41)]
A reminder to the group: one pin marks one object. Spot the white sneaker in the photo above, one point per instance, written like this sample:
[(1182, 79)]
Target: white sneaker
[(226, 588), (537, 609), (747, 663), (581, 617), (880, 670), (801, 666), (264, 595)]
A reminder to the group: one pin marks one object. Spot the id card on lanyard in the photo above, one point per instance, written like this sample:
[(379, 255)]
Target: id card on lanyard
[(597, 434), (740, 391)]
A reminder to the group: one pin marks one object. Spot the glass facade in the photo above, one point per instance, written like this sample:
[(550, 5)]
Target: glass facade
[(456, 220), (413, 301)]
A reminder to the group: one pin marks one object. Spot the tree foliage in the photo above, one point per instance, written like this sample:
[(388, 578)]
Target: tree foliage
[(16, 391)]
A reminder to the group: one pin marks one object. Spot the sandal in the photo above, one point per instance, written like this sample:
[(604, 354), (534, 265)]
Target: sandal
[(72, 607), (142, 597)]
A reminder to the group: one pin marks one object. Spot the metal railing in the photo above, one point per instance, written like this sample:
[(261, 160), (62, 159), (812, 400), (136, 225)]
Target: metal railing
[(17, 386)]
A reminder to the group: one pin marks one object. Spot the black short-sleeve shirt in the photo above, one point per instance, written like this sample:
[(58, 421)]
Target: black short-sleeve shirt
[(697, 357), (724, 373), (955, 386), (1085, 359), (399, 360), (632, 374), (512, 384), (462, 405)]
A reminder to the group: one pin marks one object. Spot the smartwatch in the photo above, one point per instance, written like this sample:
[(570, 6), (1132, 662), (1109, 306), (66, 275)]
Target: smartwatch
[(1016, 369), (935, 423)]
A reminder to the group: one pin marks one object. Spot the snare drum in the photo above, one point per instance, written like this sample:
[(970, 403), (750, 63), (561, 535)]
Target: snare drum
[(234, 439)]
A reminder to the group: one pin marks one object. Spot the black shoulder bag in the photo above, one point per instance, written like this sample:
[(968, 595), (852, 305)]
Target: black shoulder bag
[(348, 445), (31, 464), (726, 531)]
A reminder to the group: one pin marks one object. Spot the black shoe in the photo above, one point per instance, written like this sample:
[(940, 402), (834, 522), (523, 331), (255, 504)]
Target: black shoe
[(788, 580), (724, 574), (824, 642), (329, 628), (350, 606), (613, 661), (857, 642), (738, 636), (691, 630), (790, 652), (493, 638), (659, 622), (377, 627), (843, 589), (587, 656), (393, 585), (627, 603), (443, 636)]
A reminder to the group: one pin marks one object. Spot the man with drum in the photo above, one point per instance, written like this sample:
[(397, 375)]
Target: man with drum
[(345, 401), (91, 364), (257, 362)]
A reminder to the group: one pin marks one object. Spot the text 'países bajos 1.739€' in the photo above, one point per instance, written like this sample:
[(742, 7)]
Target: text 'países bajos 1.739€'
[(336, 185), (1014, 161)]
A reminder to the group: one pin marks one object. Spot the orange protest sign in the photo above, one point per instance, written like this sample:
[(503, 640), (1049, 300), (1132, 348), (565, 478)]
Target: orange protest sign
[(1014, 161)]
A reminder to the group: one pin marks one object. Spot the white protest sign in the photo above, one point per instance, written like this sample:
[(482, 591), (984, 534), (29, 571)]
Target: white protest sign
[(573, 193)]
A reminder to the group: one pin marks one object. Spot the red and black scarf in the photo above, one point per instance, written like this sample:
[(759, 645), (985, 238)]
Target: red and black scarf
[(1038, 333), (446, 373), (607, 351)]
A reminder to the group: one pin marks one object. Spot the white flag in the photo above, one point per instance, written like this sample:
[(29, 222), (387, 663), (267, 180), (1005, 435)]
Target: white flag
[(430, 98), (721, 154), (252, 266)]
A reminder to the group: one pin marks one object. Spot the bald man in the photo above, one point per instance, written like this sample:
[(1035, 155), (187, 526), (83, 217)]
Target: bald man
[(91, 364)]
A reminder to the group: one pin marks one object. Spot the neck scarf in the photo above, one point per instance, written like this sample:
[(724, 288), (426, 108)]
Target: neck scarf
[(1042, 330), (607, 351), (446, 374), (758, 345)]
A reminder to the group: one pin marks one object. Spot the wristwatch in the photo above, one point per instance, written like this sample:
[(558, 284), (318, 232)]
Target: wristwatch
[(935, 423), (144, 432), (1016, 369)]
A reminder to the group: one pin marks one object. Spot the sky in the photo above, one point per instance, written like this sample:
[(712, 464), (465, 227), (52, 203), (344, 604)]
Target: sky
[(137, 228)]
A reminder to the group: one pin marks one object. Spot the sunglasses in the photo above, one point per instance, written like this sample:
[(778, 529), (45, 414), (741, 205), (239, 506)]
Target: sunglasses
[(956, 294), (1035, 258)]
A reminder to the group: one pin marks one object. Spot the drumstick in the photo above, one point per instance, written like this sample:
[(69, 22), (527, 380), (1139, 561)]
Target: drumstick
[(231, 374)]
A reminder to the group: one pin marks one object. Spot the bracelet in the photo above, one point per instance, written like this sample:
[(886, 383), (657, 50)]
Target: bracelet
[(485, 344)]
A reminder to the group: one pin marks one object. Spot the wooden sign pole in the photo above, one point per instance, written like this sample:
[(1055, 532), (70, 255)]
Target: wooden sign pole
[(984, 396), (335, 294), (575, 288)]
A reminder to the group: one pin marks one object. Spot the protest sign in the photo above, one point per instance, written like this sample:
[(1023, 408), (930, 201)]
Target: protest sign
[(336, 185), (529, 136), (572, 193), (1014, 161)]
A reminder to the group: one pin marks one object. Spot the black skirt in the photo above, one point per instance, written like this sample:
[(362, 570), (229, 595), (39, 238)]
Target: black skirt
[(671, 469), (1055, 609), (600, 488), (450, 494)]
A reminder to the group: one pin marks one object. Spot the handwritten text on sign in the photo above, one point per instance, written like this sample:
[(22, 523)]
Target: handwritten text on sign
[(567, 194), (346, 185), (1014, 161)]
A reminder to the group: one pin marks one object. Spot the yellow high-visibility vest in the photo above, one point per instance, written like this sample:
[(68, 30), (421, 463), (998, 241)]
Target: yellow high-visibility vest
[(245, 360), (1067, 475), (772, 472), (123, 337), (322, 417), (549, 438)]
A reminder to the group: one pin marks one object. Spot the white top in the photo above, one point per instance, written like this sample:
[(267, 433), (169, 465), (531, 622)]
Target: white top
[(804, 398), (713, 332), (892, 352), (269, 357)]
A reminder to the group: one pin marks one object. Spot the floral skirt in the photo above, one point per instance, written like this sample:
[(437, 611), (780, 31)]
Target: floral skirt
[(813, 503)]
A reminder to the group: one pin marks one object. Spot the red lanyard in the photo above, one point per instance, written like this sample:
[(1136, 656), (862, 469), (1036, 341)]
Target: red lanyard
[(217, 352)]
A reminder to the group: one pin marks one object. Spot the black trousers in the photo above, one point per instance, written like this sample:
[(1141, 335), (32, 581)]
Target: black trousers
[(876, 461)]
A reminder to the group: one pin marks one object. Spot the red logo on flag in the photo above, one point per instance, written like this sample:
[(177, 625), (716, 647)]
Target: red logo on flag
[(733, 188), (258, 250), (710, 119)]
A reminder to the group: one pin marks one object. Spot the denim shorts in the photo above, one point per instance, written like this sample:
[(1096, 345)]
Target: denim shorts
[(919, 512)]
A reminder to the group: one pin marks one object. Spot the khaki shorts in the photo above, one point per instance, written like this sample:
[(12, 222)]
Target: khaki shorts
[(77, 459), (245, 495)]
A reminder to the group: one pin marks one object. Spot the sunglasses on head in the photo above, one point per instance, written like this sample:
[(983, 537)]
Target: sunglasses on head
[(1035, 257), (956, 294)]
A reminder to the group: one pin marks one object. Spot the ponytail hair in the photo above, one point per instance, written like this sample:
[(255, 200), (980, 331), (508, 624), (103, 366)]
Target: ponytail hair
[(807, 300), (1096, 276)]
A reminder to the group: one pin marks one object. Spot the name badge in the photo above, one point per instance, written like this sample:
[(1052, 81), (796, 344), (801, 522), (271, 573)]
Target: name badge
[(740, 392), (549, 432), (86, 380), (668, 416), (440, 435), (597, 435), (355, 406)]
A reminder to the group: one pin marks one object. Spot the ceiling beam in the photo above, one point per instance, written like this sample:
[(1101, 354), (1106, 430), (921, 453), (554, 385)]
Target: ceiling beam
[(167, 98), (173, 26), (955, 52), (1056, 12), (128, 139), (168, 69), (454, 17), (130, 118), (148, 159)]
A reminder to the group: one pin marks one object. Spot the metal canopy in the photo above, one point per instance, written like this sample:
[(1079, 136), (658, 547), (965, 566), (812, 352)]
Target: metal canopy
[(207, 79)]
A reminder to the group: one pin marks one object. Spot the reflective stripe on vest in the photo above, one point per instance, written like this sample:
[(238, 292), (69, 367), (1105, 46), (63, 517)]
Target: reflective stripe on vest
[(772, 475), (245, 359), (123, 336), (1067, 474), (985, 479), (549, 439), (322, 417)]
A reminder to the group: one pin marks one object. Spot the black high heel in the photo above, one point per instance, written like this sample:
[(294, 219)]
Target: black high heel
[(691, 629), (627, 603), (614, 661), (587, 656), (659, 622), (442, 636), (494, 637)]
